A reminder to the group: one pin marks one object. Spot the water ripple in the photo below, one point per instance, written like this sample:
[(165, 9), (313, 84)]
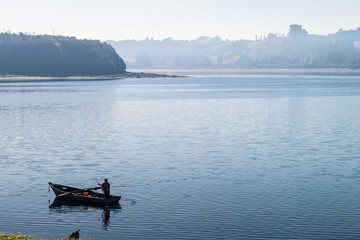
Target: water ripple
[(231, 157)]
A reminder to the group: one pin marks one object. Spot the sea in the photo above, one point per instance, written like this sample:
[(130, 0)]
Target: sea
[(201, 157)]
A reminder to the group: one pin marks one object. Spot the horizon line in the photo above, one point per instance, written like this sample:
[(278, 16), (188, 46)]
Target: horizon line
[(257, 37)]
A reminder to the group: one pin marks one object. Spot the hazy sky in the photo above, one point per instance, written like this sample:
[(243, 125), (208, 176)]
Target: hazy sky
[(179, 19)]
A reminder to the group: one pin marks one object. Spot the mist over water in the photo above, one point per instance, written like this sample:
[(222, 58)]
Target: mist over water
[(215, 157), (295, 50)]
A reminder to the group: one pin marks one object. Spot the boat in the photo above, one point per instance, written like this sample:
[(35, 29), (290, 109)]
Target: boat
[(85, 195), (61, 202)]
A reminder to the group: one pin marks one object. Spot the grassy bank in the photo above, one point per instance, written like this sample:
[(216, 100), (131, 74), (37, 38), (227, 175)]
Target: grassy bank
[(4, 236), (15, 78)]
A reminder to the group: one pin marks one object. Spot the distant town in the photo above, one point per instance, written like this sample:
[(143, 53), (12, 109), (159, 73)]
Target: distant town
[(296, 50)]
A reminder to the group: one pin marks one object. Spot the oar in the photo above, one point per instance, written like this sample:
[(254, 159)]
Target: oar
[(79, 190)]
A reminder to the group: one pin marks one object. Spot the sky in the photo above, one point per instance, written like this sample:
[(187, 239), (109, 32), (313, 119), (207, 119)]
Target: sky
[(178, 19)]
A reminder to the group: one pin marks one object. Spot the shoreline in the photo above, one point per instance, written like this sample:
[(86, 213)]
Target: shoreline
[(23, 78), (19, 236), (183, 73), (275, 71)]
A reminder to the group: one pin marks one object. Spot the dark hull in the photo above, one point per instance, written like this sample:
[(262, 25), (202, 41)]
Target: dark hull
[(76, 194), (60, 202)]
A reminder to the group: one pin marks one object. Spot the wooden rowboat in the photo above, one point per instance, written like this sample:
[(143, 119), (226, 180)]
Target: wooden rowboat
[(83, 195), (60, 202)]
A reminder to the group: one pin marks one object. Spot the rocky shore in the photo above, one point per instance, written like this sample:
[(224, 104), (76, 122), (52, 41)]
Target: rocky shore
[(18, 78)]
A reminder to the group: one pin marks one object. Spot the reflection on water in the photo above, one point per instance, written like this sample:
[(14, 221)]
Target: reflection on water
[(64, 206), (209, 157), (106, 217)]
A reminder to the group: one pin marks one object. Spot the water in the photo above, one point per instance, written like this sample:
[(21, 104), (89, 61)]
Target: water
[(208, 157)]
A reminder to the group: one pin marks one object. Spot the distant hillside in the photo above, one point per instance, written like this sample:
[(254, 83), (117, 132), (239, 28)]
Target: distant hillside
[(47, 55), (297, 49)]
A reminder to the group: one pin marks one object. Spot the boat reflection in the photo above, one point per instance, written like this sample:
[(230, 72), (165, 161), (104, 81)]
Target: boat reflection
[(63, 205)]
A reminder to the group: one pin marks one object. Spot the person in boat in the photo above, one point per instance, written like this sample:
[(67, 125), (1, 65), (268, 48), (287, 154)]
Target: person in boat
[(105, 187)]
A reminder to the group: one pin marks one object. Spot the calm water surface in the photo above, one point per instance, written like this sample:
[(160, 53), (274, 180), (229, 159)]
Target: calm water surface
[(208, 157)]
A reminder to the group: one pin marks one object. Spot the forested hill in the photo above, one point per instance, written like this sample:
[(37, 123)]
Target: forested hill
[(296, 49), (46, 55)]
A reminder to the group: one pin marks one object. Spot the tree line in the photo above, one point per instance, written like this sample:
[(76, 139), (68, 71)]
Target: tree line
[(297, 49), (47, 55)]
